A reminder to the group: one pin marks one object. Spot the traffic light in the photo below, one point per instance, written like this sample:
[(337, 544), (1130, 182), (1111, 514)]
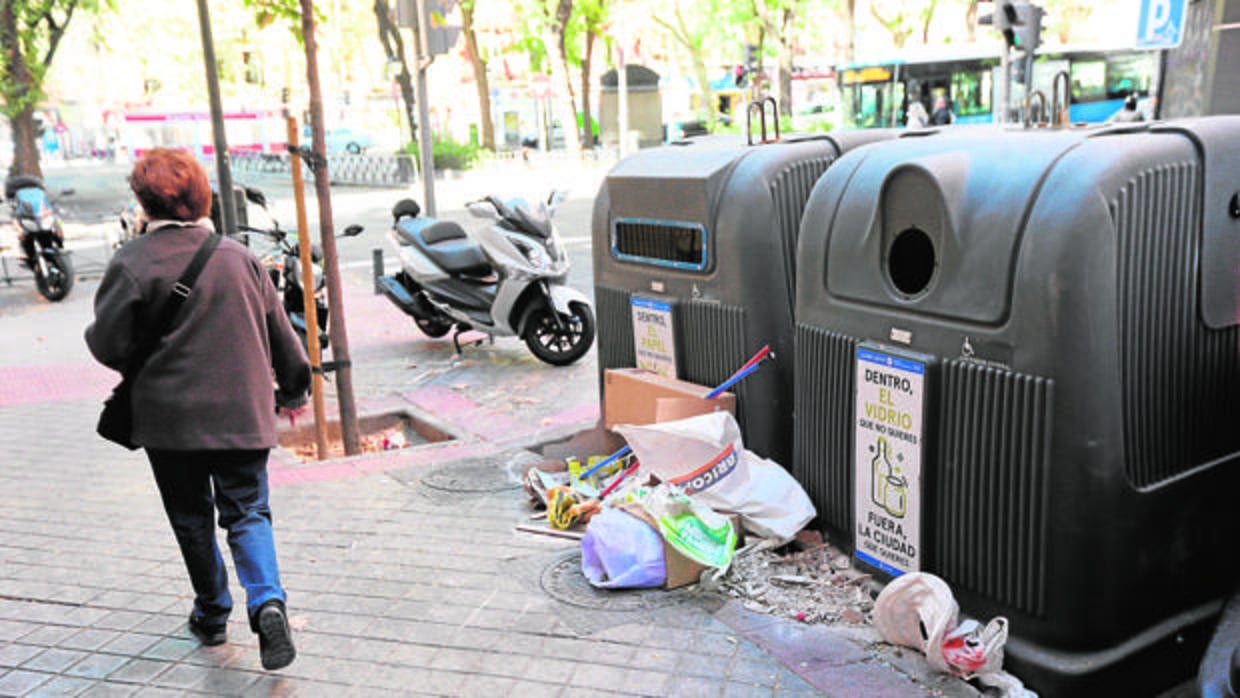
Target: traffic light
[(1002, 19), (740, 76), (1028, 27), (1019, 21), (751, 59)]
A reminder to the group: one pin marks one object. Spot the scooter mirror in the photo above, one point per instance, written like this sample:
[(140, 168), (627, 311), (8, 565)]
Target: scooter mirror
[(557, 197), (481, 209), (352, 230), (255, 196)]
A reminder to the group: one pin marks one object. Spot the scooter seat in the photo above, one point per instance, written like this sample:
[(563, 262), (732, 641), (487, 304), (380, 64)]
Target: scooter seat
[(447, 245)]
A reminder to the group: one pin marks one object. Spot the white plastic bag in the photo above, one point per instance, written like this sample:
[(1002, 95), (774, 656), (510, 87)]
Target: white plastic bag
[(620, 551), (705, 457), (918, 610)]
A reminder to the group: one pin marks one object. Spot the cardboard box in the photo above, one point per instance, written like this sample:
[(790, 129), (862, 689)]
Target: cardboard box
[(681, 571), (637, 396)]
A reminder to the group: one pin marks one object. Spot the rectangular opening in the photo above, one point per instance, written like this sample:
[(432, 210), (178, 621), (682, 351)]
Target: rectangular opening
[(675, 244)]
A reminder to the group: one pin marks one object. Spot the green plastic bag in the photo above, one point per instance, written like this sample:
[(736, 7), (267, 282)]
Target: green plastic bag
[(695, 530)]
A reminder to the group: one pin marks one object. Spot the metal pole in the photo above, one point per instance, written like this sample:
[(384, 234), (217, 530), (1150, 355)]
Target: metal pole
[(222, 173), (331, 268), (307, 293), (1005, 67), (424, 114)]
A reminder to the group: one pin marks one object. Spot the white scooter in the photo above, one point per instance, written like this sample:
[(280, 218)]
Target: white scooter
[(507, 278)]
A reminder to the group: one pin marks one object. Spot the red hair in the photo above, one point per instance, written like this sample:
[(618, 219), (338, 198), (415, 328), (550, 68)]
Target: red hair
[(171, 185)]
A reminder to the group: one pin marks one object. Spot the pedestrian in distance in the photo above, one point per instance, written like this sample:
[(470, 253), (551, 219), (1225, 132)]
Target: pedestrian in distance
[(943, 114), (915, 116), (205, 400)]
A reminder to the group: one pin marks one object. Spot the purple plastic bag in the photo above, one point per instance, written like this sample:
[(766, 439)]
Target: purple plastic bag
[(621, 551)]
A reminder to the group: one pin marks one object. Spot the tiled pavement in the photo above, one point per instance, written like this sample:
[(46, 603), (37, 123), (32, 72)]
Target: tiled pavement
[(405, 574)]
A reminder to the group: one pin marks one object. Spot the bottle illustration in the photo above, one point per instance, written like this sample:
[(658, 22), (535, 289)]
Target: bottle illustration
[(888, 489)]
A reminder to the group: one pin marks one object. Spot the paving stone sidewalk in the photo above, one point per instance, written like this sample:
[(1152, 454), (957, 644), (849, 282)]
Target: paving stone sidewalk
[(405, 573)]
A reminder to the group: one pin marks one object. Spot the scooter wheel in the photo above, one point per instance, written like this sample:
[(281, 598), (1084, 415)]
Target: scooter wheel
[(55, 285), (560, 341)]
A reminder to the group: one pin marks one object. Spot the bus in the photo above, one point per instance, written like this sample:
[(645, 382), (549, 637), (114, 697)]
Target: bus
[(875, 95), (259, 131)]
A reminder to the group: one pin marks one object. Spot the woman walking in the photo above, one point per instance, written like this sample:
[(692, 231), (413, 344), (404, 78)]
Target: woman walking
[(206, 396)]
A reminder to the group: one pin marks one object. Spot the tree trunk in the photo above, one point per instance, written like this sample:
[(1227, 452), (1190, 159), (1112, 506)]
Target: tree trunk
[(25, 144), (785, 80), (327, 239), (852, 30), (481, 82), (784, 39), (708, 95), (561, 77), (394, 46), (587, 122), (20, 83)]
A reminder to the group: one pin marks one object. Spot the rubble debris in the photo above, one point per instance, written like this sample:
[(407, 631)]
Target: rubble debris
[(814, 585)]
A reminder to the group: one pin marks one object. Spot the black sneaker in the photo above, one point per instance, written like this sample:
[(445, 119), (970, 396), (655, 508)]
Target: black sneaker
[(275, 638), (208, 635)]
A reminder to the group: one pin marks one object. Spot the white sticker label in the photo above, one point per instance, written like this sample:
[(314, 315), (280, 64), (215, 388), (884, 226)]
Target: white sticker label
[(887, 458), (654, 338)]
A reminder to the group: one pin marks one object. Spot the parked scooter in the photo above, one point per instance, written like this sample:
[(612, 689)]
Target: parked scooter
[(280, 255), (39, 235), (507, 278)]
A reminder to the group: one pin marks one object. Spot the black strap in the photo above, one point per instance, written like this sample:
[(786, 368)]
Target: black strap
[(180, 291)]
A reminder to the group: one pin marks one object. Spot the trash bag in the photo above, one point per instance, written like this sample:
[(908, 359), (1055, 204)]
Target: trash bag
[(918, 610), (620, 551), (691, 527), (705, 457)]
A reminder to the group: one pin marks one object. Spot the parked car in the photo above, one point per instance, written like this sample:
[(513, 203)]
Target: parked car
[(344, 140)]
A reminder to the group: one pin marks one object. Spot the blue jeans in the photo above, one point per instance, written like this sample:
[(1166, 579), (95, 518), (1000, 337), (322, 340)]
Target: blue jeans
[(193, 484)]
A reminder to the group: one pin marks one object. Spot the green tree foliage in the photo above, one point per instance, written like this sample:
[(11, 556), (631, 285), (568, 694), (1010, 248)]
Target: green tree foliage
[(30, 33), (695, 27)]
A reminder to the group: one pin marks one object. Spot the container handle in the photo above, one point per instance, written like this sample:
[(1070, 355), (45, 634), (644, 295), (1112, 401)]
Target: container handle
[(1041, 96), (761, 107), (1060, 109)]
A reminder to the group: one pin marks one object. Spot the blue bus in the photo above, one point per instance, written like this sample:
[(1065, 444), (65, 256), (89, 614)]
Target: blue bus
[(876, 95)]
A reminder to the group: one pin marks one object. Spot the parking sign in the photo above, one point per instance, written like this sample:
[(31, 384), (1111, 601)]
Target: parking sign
[(1161, 23)]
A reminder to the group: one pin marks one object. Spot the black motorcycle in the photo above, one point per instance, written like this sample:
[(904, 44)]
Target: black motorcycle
[(280, 252), (40, 236)]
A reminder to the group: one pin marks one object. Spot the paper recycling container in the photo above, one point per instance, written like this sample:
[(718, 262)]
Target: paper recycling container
[(694, 246), (1018, 368)]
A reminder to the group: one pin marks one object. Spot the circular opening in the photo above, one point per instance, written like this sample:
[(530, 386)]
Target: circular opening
[(911, 262)]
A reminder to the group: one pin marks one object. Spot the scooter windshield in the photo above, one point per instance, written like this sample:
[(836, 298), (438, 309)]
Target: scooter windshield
[(533, 221)]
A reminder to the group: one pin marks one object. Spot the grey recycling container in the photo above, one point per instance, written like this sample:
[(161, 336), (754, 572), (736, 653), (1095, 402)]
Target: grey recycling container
[(694, 247), (1018, 368)]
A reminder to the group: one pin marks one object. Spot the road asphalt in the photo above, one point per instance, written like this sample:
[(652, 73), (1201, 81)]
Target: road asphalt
[(406, 573)]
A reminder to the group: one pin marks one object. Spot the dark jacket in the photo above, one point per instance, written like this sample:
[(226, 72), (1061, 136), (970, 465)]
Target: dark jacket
[(208, 384)]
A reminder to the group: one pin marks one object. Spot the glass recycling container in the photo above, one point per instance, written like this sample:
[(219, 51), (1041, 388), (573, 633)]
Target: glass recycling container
[(1018, 368)]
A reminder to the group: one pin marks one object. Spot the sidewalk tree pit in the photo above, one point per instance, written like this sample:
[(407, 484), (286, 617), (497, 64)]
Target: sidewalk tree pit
[(380, 432)]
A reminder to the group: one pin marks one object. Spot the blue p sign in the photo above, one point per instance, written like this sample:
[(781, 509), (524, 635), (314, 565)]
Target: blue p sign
[(1161, 23)]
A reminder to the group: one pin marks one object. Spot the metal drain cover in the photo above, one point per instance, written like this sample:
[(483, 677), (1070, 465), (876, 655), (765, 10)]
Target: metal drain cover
[(499, 473), (564, 581)]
